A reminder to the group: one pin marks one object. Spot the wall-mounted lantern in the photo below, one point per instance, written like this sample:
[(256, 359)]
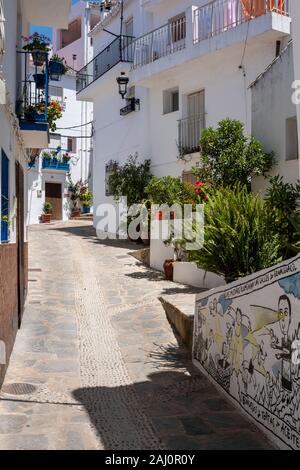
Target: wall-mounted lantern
[(123, 84)]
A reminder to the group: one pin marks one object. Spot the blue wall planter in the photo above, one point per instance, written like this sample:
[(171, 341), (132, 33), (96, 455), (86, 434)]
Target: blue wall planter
[(86, 210), (56, 70)]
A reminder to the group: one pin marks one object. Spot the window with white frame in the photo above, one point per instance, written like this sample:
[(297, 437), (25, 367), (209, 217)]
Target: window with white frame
[(292, 145), (170, 101), (54, 141), (72, 144)]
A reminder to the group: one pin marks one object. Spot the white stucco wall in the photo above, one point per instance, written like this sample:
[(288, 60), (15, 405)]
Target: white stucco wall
[(37, 179), (10, 139), (271, 106)]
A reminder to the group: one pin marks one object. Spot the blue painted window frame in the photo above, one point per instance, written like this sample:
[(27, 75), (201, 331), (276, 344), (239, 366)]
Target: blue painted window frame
[(4, 196)]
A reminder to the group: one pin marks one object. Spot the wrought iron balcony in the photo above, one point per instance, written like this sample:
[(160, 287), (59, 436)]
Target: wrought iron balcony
[(32, 105), (55, 164), (161, 42), (119, 50), (189, 134), (219, 16)]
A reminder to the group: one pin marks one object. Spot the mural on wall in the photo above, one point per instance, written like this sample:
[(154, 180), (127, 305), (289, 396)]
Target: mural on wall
[(245, 337)]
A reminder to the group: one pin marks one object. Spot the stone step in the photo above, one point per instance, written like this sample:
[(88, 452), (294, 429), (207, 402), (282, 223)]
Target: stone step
[(180, 309)]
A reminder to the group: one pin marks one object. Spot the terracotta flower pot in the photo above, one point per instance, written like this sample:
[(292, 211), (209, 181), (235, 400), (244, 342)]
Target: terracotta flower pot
[(46, 218), (169, 269)]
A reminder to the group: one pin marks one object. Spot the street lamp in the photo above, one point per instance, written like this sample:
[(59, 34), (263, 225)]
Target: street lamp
[(123, 83)]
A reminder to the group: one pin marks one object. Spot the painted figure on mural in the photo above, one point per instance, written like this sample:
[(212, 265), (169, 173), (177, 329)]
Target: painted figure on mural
[(285, 354)]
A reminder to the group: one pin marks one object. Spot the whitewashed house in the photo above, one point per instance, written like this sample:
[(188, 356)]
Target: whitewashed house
[(18, 136), (48, 181), (189, 64)]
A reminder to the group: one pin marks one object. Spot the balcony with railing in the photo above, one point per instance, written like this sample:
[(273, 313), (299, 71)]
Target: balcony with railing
[(32, 105), (119, 50), (220, 16), (189, 134), (159, 43), (56, 164)]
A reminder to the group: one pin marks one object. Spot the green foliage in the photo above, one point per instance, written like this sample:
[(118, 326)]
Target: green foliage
[(284, 198), (86, 199), (47, 208), (170, 190), (239, 235), (129, 180), (228, 156), (295, 221), (76, 190)]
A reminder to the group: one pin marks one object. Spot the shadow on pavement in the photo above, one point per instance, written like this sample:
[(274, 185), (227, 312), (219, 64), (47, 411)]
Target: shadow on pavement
[(171, 410)]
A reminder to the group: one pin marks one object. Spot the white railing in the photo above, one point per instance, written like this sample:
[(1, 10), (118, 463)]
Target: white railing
[(159, 43), (221, 15)]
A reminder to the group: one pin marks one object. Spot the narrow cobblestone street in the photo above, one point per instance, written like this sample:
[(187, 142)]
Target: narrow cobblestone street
[(99, 362)]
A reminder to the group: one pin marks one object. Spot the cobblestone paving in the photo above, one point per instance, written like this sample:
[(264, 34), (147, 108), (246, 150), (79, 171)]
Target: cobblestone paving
[(107, 370)]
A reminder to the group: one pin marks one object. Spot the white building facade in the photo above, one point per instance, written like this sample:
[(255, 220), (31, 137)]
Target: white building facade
[(190, 64), (49, 183), (18, 136)]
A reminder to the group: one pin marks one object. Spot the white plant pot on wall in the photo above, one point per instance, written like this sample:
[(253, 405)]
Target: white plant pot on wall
[(190, 274)]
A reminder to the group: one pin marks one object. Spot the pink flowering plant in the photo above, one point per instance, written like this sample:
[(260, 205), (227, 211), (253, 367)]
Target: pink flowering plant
[(36, 42)]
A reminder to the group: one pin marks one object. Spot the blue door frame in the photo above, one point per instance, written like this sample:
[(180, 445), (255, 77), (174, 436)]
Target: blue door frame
[(4, 196)]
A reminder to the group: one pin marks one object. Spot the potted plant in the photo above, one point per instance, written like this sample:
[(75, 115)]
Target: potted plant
[(86, 201), (74, 190), (66, 158), (47, 213), (38, 45), (57, 67)]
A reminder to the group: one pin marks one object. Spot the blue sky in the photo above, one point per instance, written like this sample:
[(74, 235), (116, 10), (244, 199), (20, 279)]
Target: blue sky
[(43, 30)]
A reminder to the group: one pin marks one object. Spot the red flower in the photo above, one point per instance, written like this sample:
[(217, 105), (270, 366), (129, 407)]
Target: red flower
[(198, 191), (199, 183)]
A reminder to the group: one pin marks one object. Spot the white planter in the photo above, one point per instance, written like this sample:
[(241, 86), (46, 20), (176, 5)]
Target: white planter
[(188, 273)]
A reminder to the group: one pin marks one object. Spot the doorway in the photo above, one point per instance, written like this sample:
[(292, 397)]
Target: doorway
[(54, 197)]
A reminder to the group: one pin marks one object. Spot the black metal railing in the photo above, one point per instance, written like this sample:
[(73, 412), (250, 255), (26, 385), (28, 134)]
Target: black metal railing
[(189, 134), (33, 93), (161, 42), (119, 50)]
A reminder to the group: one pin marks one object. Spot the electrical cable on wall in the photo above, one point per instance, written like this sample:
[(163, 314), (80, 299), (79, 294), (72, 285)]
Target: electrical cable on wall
[(74, 127)]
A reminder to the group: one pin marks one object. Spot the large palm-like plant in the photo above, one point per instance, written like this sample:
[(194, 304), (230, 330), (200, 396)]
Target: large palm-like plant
[(240, 238)]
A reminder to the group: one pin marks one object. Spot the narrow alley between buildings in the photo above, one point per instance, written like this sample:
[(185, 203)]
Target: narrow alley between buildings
[(96, 364)]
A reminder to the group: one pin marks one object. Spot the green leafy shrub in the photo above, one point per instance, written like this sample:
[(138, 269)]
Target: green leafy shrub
[(228, 156), (130, 180), (170, 190), (86, 199), (284, 198), (239, 235)]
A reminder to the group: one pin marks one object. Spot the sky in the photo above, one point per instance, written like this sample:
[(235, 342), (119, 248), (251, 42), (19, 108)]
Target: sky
[(43, 30)]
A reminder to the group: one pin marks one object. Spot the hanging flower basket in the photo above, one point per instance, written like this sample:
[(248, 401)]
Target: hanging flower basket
[(38, 58), (57, 68), (38, 45)]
